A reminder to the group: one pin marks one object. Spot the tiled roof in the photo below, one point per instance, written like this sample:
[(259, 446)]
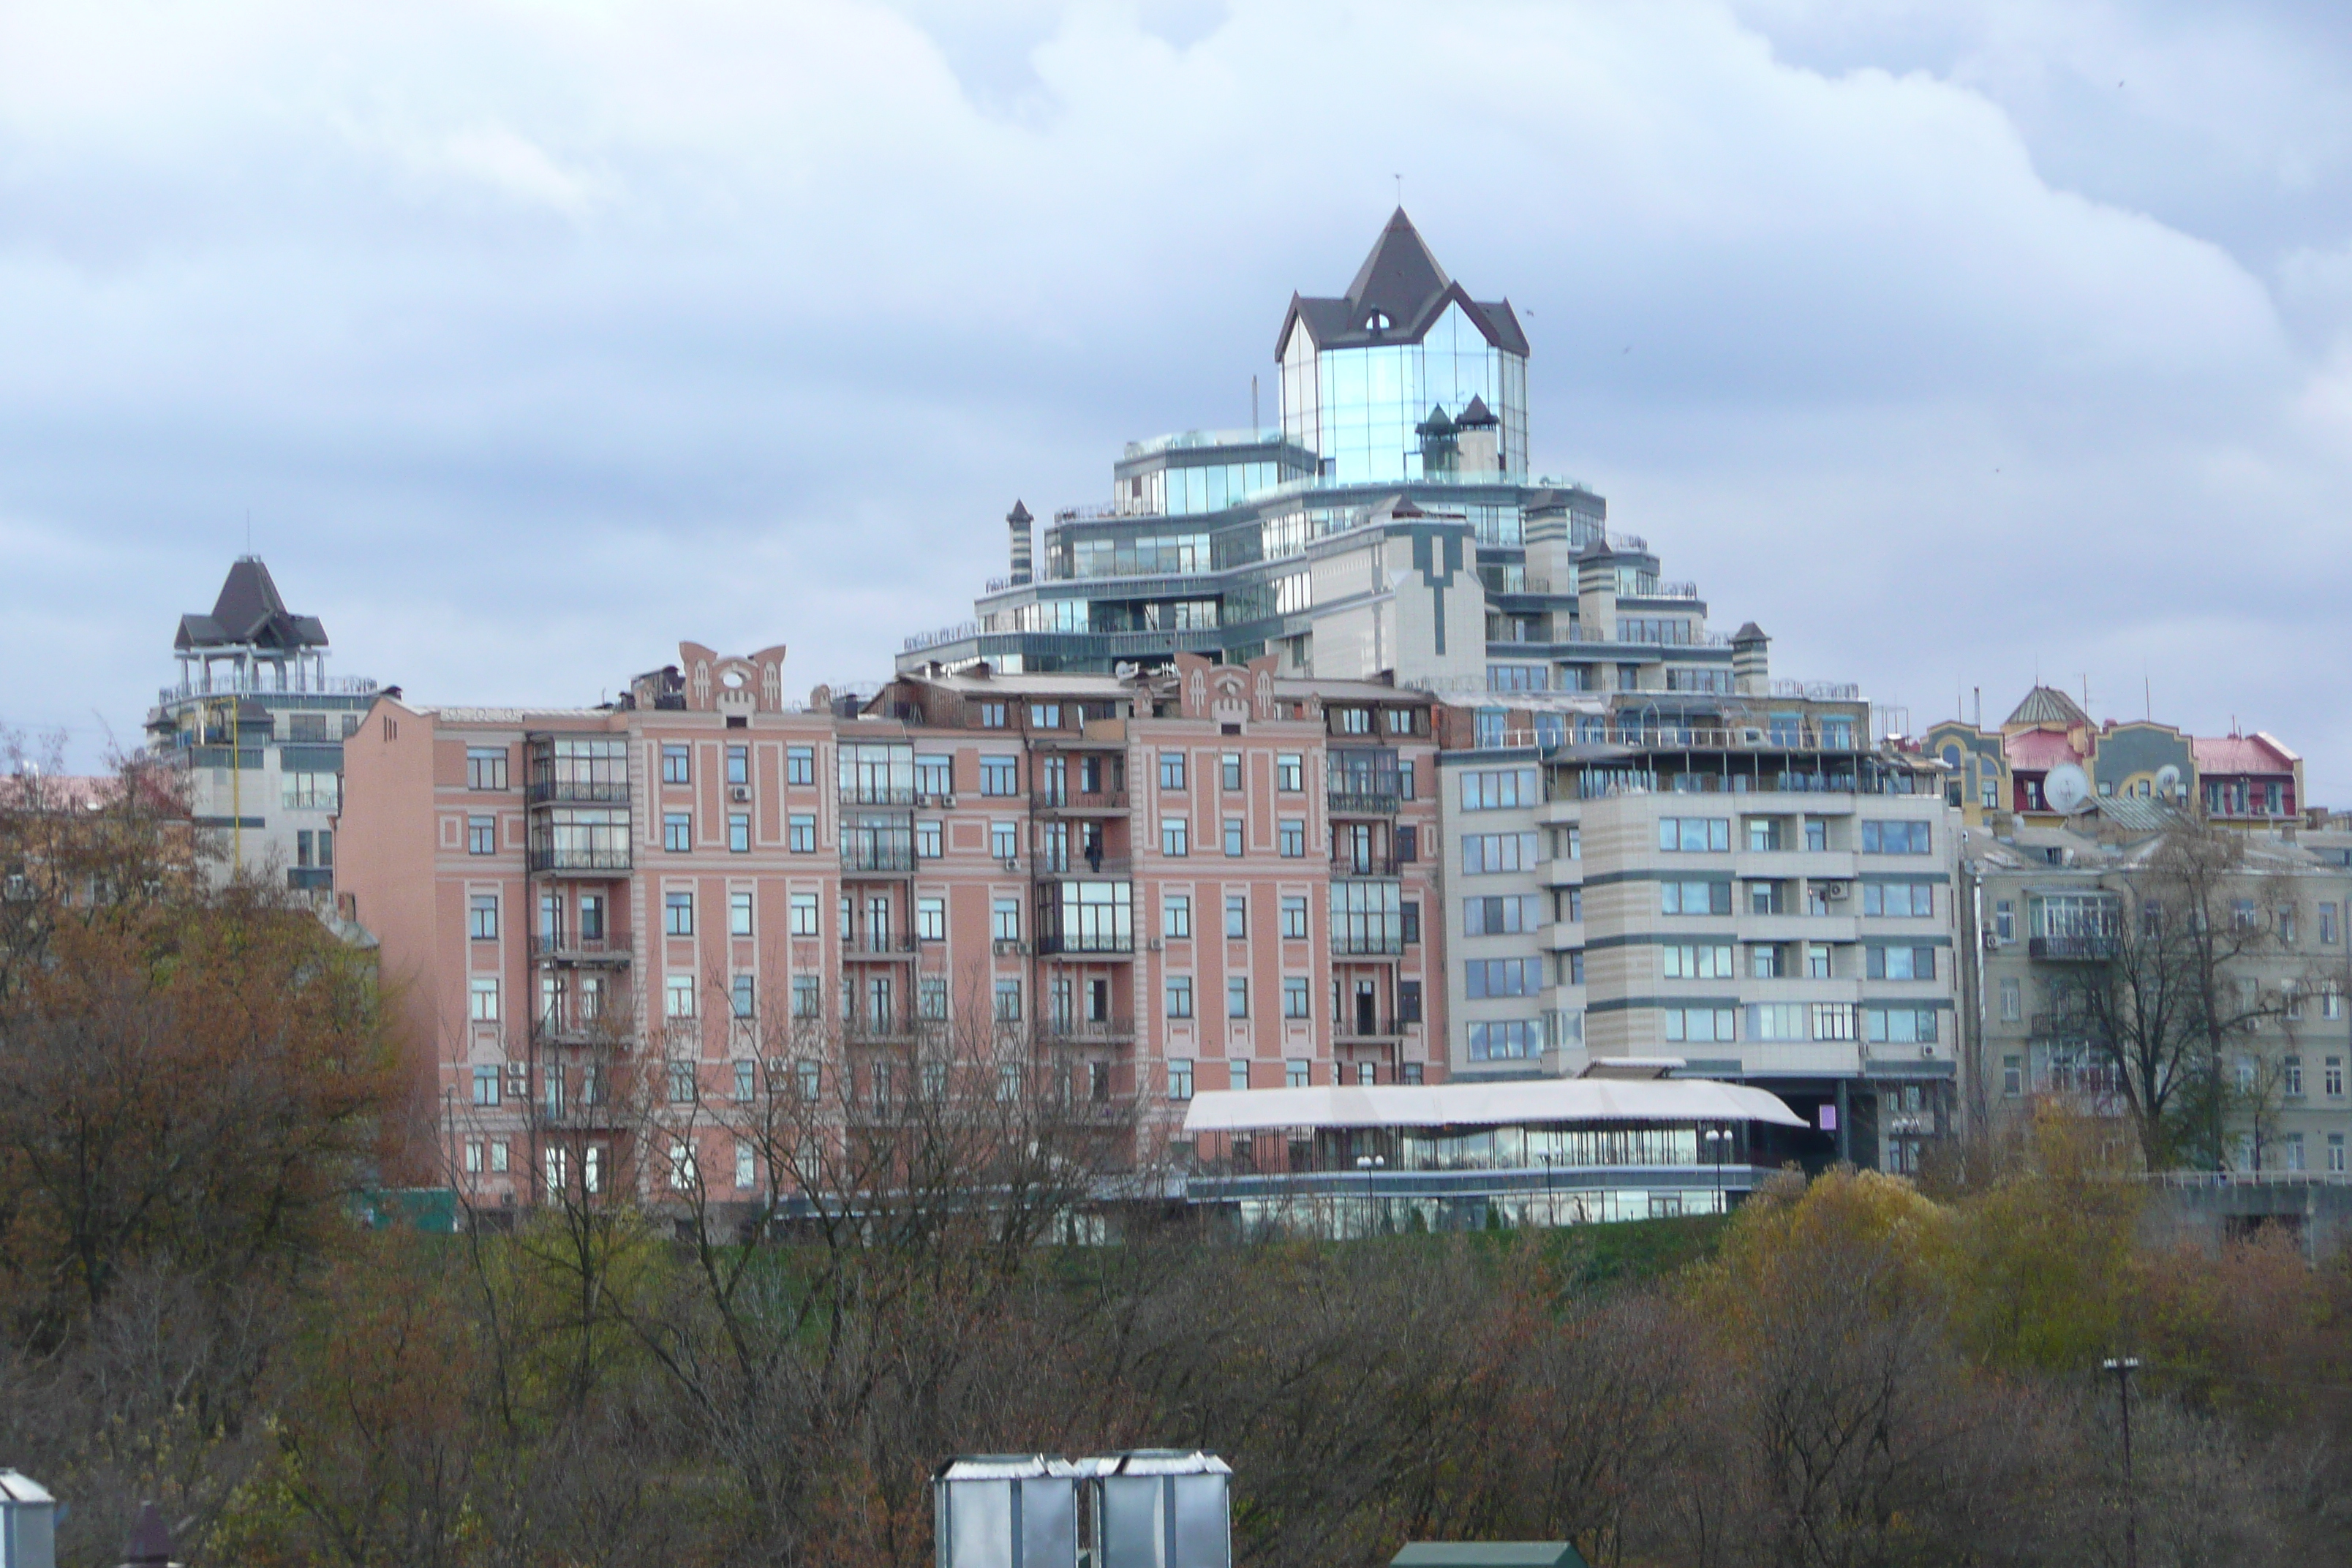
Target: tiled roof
[(2047, 705), (2256, 753), (2039, 750)]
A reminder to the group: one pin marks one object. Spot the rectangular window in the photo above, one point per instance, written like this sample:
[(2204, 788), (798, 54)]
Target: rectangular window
[(1290, 840), (1294, 1003), (1237, 1074), (1005, 919), (678, 831), (1489, 977), (1237, 917), (738, 764), (1008, 1001), (929, 839), (2327, 925), (930, 920), (803, 914), (2012, 1076), (481, 836), (1175, 836), (739, 834), (1700, 1024), (678, 996), (1899, 1026), (1901, 901), (1901, 962), (1485, 854), (740, 997), (1408, 1001), (801, 827), (805, 995), (482, 917), (2335, 1078), (1003, 841), (1499, 789), (1764, 835), (799, 764), (1505, 1039), (485, 1086), (1695, 897), (486, 767), (1777, 1021), (1506, 916), (1179, 1080), (1172, 770), (482, 999), (1176, 915), (1695, 835), (2335, 1154), (2013, 1001), (1296, 1074), (678, 914), (1698, 961), (1833, 1020), (674, 764), (1294, 920), (1229, 772), (1179, 995), (2005, 918), (1237, 997), (934, 776), (2290, 1077), (1290, 772), (1000, 775), (1233, 837), (1044, 715), (1895, 838), (1409, 922)]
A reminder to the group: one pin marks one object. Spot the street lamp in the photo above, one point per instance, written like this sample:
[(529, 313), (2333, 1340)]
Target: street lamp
[(1718, 1144), (2123, 1367), (1367, 1163), (1551, 1209)]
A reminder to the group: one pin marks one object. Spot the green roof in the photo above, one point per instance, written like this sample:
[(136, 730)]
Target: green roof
[(1490, 1555)]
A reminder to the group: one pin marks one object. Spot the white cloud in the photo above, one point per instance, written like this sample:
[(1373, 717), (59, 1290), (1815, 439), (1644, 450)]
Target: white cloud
[(538, 337)]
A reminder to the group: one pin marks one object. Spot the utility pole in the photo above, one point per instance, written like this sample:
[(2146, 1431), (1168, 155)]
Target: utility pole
[(2123, 1367)]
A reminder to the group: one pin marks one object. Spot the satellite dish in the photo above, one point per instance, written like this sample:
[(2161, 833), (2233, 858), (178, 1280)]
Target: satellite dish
[(2066, 789), (2167, 781)]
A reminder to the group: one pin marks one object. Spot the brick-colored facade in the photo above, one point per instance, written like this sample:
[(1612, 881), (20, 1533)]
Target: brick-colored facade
[(1134, 877)]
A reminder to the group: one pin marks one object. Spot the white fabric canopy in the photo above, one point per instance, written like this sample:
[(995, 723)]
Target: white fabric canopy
[(1496, 1104)]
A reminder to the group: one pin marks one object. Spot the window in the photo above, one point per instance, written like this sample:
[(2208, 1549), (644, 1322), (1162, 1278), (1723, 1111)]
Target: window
[(738, 764), (1290, 772), (482, 999), (934, 776), (1408, 1001), (2335, 1078), (1294, 1074), (1506, 916), (1698, 961), (1229, 772), (2013, 1001), (674, 764), (1763, 834), (1700, 1024), (738, 833), (799, 764), (1902, 900), (1571, 967), (1179, 1080), (800, 833), (1901, 962), (1179, 995), (929, 839), (481, 836), (678, 996), (1409, 922), (1294, 920), (804, 995), (1008, 1001), (1505, 1039), (2005, 918), (678, 914), (1237, 997), (1294, 1003), (1899, 1026), (1486, 977), (1003, 841), (1484, 853), (1290, 840), (1237, 917), (1833, 1020), (1233, 837), (1005, 919), (486, 767), (2242, 914), (1817, 961), (678, 831), (2012, 1076), (2327, 925), (1695, 835), (485, 1086), (2285, 925), (473, 1158), (1777, 1021), (801, 915), (1175, 915), (1172, 770), (1044, 715), (1175, 835), (1000, 775), (1497, 789), (740, 997), (2295, 1150), (683, 1176), (1695, 898), (1895, 838), (482, 917), (2335, 1154), (930, 920)]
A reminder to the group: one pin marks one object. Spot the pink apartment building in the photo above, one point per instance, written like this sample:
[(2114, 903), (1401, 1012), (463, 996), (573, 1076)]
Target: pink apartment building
[(1205, 877)]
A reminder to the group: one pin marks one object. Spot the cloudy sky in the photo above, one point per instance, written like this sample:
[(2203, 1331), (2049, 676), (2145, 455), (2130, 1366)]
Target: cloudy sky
[(1950, 341)]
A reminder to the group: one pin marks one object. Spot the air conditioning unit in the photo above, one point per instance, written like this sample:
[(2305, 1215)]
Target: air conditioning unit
[(1151, 945), (1927, 1051), (1012, 863), (739, 793), (1834, 890)]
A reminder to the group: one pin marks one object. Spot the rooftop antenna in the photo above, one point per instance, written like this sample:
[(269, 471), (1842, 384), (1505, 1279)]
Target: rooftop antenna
[(1254, 401), (1400, 184)]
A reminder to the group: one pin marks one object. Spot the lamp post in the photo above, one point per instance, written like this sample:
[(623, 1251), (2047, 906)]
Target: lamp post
[(1718, 1143), (1367, 1163), (1551, 1209), (2123, 1367)]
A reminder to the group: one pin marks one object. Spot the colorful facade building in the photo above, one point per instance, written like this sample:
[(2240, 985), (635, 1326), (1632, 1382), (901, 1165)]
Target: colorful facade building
[(1208, 875)]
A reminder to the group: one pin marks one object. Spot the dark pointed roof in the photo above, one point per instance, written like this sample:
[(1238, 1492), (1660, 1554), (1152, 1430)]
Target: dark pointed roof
[(1476, 413), (1402, 285), (1019, 515), (2048, 705), (1751, 632), (151, 1542), (249, 612)]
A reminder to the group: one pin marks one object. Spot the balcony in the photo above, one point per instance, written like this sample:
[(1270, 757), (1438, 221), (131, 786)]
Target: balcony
[(2062, 1025), (577, 791), (577, 862), (861, 792), (1369, 945), (1367, 794), (608, 951), (1358, 1030), (877, 859), (1349, 865), (1116, 1029), (1081, 801), (864, 948), (2071, 949), (1087, 944)]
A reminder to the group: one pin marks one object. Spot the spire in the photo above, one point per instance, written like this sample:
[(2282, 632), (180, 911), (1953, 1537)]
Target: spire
[(1399, 277)]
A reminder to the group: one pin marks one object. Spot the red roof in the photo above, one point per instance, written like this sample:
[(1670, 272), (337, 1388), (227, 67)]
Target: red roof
[(2254, 753), (2038, 751)]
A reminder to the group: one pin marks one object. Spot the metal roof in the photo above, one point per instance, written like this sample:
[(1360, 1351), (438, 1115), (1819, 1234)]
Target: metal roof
[(1512, 1103), (2047, 705), (249, 613), (1402, 281), (1490, 1555)]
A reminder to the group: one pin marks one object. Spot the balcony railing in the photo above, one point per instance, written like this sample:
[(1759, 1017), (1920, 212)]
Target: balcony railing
[(1367, 944), (860, 793), (864, 945), (2071, 949), (1083, 944), (578, 862), (1080, 800), (1354, 1029), (1116, 1027), (2063, 1025), (576, 950), (1364, 866), (1367, 796), (547, 792), (230, 685)]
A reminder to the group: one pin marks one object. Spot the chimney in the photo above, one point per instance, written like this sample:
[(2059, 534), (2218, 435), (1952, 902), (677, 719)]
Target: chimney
[(1018, 520), (1751, 669)]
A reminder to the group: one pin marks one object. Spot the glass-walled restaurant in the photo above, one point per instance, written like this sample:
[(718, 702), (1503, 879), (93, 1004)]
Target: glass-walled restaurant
[(1346, 1161)]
